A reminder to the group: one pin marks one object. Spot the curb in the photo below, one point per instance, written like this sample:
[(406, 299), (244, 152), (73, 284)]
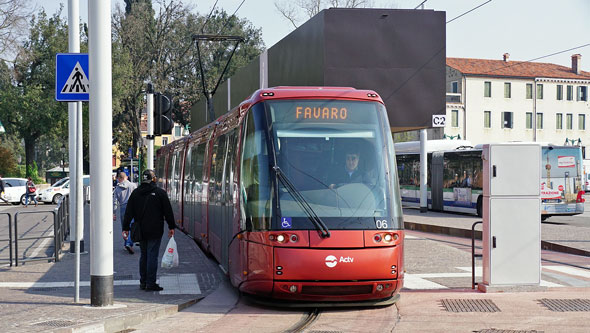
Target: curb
[(128, 321), (466, 233)]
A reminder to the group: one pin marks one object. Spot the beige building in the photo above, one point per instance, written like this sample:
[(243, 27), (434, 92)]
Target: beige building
[(504, 100)]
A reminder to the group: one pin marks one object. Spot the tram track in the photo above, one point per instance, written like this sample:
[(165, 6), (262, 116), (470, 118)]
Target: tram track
[(306, 321)]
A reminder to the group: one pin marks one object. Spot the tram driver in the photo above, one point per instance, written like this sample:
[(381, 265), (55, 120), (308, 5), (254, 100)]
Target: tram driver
[(350, 173)]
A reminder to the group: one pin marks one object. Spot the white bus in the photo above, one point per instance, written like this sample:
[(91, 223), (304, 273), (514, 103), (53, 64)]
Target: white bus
[(455, 181)]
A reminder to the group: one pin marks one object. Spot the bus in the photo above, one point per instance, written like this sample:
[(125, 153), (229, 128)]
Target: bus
[(586, 180), (455, 181)]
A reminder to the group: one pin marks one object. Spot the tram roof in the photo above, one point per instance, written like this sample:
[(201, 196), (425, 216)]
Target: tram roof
[(303, 92)]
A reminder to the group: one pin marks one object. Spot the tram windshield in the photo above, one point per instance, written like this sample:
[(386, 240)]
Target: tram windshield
[(339, 157)]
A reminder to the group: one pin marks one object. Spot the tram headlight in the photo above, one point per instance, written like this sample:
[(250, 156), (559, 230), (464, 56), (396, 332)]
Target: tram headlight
[(377, 238), (280, 238), (379, 287), (294, 238), (387, 237), (293, 289)]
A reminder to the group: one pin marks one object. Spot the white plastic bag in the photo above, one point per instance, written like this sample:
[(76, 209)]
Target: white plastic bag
[(170, 257)]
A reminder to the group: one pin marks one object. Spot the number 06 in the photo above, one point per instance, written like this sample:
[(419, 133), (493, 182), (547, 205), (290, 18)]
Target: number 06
[(381, 224)]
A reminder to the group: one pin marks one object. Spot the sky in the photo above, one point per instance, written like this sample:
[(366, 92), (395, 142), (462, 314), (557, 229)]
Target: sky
[(526, 29)]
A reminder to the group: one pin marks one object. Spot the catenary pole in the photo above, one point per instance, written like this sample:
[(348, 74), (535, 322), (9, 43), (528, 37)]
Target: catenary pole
[(423, 175), (101, 133), (150, 126), (76, 223)]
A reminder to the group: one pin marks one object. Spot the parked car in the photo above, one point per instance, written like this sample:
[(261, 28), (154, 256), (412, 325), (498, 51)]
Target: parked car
[(59, 189), (14, 190)]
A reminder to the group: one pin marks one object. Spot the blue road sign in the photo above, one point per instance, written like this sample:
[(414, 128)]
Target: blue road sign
[(71, 77)]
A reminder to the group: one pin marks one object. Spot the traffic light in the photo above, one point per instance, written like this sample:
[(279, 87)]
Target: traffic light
[(162, 114)]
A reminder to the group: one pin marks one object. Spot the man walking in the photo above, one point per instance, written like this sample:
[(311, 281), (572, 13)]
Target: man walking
[(121, 197), (149, 206)]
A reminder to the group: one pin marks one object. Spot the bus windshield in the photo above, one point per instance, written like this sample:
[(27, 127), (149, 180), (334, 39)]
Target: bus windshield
[(339, 157)]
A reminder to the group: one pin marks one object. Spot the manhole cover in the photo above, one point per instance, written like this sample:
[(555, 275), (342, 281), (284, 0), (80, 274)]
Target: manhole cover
[(55, 323), (469, 305), (44, 289), (563, 305), (123, 277), (494, 330)]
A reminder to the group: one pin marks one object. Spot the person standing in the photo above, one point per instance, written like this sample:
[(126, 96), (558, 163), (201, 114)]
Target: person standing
[(31, 191), (149, 206), (121, 196), (2, 190)]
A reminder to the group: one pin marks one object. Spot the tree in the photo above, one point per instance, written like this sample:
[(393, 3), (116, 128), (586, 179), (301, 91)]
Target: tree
[(27, 106), (13, 14), (7, 162), (291, 9), (157, 47)]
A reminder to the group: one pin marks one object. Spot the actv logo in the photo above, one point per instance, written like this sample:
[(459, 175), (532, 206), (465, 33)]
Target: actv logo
[(332, 261)]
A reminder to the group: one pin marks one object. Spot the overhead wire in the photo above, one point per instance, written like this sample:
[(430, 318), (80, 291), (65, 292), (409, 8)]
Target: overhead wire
[(229, 17), (209, 16), (469, 11)]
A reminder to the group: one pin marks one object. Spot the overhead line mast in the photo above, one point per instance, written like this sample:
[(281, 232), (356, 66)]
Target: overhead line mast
[(209, 94)]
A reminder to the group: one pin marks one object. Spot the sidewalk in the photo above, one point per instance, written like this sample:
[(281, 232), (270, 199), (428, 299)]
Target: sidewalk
[(40, 296)]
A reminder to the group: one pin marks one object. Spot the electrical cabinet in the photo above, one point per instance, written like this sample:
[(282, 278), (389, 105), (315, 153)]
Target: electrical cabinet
[(511, 214)]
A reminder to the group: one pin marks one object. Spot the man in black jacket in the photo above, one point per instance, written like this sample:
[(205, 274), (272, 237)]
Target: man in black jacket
[(149, 206)]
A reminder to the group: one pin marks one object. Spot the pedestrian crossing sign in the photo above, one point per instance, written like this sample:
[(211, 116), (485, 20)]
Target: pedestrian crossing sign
[(71, 77)]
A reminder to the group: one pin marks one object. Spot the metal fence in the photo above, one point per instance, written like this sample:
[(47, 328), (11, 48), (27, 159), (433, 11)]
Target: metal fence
[(9, 240), (61, 224)]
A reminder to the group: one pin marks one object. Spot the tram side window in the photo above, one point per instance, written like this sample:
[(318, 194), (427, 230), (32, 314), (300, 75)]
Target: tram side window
[(199, 156), (254, 174)]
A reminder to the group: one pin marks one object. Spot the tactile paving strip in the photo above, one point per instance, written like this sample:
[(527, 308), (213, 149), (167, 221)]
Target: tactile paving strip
[(179, 284), (493, 330), (469, 305), (55, 323), (565, 305)]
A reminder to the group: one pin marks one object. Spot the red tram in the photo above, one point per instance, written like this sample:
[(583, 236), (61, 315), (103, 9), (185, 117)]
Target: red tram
[(273, 192)]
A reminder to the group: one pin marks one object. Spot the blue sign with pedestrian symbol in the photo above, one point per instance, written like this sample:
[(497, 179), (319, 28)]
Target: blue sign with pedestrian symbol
[(71, 77)]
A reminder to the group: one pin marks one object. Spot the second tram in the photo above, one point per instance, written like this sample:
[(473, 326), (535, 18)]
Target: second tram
[(295, 194)]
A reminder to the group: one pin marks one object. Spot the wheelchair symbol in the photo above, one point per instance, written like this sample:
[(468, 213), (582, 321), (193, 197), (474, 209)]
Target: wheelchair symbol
[(286, 223)]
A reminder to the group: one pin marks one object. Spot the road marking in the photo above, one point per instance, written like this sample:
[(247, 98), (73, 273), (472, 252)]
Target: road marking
[(174, 284), (41, 246), (413, 281), (570, 270), (406, 236)]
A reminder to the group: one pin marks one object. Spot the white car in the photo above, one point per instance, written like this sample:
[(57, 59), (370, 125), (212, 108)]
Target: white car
[(59, 189), (14, 190), (54, 193)]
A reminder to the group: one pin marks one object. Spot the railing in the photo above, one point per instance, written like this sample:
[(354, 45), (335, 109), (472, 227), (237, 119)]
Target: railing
[(454, 98), (473, 255), (61, 225), (9, 240)]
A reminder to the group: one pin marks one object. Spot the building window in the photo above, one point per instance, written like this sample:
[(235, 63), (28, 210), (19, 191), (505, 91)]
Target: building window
[(454, 118), (582, 93), (582, 122), (506, 119), (569, 121), (570, 93), (487, 119), (529, 91), (454, 87), (559, 92), (539, 91), (177, 131), (529, 120), (539, 121), (559, 121), (487, 89), (506, 89), (164, 141)]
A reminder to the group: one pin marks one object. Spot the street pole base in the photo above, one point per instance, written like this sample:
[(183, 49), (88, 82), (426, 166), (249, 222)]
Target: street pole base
[(73, 246), (423, 209), (101, 290)]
